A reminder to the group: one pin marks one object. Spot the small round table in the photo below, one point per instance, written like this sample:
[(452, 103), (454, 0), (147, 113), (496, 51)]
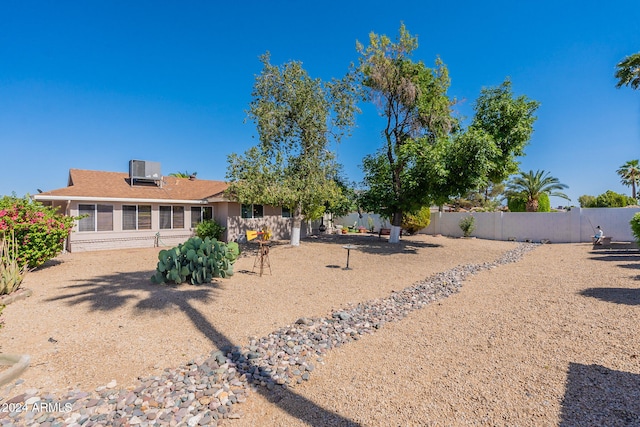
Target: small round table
[(348, 248)]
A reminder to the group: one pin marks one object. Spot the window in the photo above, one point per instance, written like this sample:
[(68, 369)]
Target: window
[(252, 211), (96, 218), (144, 217), (171, 217), (286, 213), (199, 214), (178, 217), (136, 217), (165, 217)]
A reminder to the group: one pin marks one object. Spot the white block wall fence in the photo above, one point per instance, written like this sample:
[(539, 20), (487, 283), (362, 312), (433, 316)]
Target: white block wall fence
[(574, 226)]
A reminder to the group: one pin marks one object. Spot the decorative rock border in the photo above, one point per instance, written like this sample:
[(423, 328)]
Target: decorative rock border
[(19, 363), (18, 295), (207, 390)]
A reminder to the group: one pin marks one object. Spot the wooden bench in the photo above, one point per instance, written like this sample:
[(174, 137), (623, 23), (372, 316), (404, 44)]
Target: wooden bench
[(386, 232), (605, 242)]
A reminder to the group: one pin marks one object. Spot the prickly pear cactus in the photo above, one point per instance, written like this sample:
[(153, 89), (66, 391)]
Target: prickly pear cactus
[(196, 261)]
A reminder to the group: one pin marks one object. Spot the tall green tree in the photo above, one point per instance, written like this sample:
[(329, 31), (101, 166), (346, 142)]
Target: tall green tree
[(458, 164), (528, 186), (297, 117), (608, 199), (628, 71), (508, 120), (412, 99), (630, 175)]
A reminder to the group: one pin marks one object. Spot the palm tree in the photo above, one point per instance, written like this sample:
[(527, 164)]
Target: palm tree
[(628, 71), (630, 175), (183, 174), (529, 186)]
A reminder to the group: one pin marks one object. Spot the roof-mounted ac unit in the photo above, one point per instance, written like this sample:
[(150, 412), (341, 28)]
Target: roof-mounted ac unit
[(141, 170)]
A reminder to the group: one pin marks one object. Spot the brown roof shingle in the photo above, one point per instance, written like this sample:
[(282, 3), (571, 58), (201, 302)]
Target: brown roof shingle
[(99, 184)]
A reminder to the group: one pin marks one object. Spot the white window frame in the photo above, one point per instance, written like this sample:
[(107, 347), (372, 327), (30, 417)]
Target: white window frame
[(201, 217), (252, 210), (96, 214), (137, 217), (172, 217)]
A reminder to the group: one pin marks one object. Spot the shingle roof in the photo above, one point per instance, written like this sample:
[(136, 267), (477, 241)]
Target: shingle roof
[(99, 184)]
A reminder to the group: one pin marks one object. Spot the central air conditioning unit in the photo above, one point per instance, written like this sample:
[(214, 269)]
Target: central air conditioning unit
[(144, 171)]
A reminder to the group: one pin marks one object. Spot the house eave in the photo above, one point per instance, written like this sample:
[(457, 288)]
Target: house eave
[(217, 199), (42, 197)]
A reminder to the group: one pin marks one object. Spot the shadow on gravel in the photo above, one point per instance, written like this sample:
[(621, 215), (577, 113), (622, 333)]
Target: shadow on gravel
[(372, 244), (105, 293), (625, 296), (598, 396), (626, 258), (48, 264), (616, 256)]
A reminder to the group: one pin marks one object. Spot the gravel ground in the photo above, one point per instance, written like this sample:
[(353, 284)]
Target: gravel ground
[(549, 340)]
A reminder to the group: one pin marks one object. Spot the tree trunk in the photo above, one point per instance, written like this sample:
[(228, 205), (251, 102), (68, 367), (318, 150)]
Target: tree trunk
[(532, 205), (295, 226), (396, 226)]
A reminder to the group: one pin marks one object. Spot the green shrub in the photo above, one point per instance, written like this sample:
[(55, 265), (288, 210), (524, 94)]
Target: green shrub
[(196, 261), (611, 199), (412, 223), (39, 230), (544, 204), (608, 199), (587, 201), (467, 225), (635, 226), (210, 229), (517, 204)]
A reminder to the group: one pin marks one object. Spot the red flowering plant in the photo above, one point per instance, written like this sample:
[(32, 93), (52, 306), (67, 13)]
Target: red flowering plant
[(38, 231)]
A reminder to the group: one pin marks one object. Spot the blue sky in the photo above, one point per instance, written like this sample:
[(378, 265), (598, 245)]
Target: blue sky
[(94, 84)]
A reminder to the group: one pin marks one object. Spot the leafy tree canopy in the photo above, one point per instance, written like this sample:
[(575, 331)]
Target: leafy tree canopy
[(508, 120), (424, 156), (628, 71), (296, 117), (608, 199)]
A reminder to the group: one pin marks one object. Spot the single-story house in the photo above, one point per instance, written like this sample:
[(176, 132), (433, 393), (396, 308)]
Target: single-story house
[(135, 210)]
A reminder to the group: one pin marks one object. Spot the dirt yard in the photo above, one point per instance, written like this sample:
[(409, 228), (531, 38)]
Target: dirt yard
[(549, 340)]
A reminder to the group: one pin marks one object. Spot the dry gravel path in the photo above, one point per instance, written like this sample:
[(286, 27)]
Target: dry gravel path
[(550, 340)]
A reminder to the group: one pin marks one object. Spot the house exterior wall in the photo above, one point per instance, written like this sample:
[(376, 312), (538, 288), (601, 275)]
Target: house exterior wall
[(272, 219), (227, 214), (81, 241)]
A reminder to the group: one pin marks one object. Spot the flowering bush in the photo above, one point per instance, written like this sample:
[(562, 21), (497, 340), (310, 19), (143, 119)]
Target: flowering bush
[(39, 230)]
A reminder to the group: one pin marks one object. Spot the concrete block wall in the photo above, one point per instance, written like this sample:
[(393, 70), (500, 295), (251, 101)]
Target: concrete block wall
[(574, 226)]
